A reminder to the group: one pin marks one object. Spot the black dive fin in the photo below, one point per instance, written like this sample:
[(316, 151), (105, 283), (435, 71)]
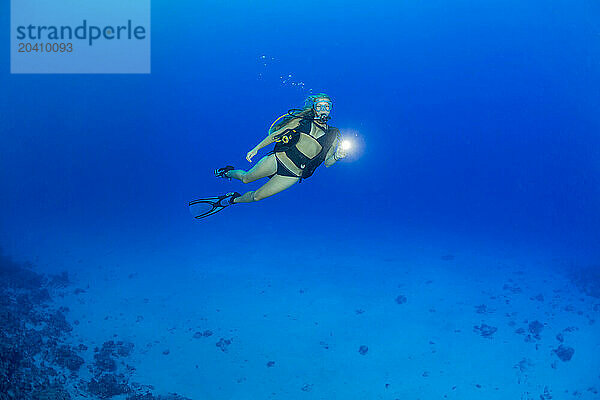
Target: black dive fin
[(202, 208)]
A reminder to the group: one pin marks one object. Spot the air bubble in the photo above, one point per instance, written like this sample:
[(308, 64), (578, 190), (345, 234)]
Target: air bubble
[(269, 66)]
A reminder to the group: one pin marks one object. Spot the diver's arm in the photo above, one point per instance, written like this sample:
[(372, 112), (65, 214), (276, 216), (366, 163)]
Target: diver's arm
[(330, 158), (265, 142), (273, 135)]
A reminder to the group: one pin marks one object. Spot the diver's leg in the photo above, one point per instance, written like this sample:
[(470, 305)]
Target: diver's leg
[(275, 185), (265, 167)]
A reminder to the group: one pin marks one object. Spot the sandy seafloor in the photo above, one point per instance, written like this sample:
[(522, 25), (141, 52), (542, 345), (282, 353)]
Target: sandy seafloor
[(308, 311)]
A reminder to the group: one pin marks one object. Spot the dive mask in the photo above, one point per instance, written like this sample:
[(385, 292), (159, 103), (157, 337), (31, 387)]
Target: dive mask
[(320, 107)]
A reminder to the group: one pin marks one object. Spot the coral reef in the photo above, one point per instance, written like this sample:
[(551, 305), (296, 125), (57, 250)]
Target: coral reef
[(35, 360)]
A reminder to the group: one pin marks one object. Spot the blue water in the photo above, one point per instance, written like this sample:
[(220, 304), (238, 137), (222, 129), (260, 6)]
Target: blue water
[(477, 164)]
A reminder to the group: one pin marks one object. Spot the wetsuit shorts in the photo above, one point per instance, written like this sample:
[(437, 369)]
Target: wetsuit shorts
[(282, 169)]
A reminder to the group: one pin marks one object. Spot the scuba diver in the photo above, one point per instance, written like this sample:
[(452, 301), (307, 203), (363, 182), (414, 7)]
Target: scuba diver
[(303, 140)]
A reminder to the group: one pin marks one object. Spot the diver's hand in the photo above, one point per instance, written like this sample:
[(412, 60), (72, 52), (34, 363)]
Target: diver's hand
[(251, 154), (340, 153)]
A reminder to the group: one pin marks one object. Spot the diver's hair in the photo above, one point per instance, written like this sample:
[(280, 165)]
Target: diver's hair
[(310, 100), (306, 112)]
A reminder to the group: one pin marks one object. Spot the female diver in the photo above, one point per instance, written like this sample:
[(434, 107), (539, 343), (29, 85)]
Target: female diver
[(303, 140)]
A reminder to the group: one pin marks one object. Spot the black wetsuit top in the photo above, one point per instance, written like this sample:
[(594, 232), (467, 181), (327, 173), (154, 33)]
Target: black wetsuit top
[(287, 140)]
